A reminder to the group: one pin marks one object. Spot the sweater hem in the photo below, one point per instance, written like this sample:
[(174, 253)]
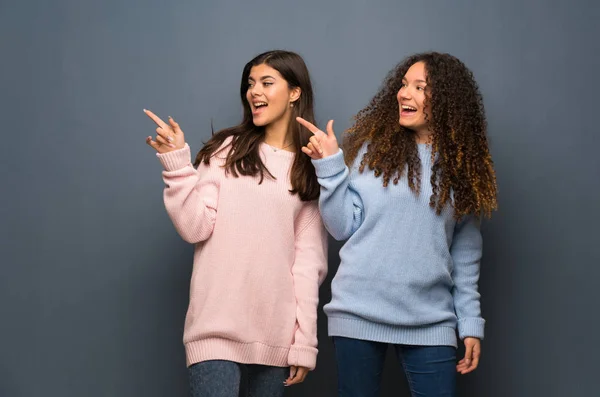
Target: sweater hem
[(239, 352), (438, 335)]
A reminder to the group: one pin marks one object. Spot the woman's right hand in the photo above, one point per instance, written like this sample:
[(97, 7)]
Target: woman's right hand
[(169, 136), (320, 145)]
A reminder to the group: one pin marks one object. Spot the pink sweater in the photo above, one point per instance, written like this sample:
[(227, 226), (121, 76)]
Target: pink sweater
[(260, 256)]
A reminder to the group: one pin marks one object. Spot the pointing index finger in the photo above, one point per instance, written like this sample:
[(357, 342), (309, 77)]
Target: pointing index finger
[(156, 119), (310, 126)]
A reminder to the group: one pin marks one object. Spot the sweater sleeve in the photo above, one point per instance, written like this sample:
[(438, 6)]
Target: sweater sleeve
[(466, 252), (309, 271), (190, 194), (341, 206)]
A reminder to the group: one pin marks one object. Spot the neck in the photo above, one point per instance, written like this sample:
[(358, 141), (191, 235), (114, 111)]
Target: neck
[(276, 134), (424, 136)]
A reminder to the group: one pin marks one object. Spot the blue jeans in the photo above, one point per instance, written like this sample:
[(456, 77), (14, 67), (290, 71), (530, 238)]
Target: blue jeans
[(218, 378), (430, 370)]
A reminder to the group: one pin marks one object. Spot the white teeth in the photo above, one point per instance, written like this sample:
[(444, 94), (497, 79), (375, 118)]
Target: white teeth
[(406, 107), (257, 104)]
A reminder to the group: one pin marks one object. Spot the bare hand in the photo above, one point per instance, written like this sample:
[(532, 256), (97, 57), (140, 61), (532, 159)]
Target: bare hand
[(320, 145), (169, 136), (472, 353), (297, 375)]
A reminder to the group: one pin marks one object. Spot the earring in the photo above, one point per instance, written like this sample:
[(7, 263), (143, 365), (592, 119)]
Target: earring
[(291, 104)]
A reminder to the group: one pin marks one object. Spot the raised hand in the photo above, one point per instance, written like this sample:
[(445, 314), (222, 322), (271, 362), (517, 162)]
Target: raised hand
[(320, 144), (169, 136)]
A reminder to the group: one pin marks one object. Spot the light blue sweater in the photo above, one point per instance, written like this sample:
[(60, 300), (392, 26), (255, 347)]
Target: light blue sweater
[(407, 275)]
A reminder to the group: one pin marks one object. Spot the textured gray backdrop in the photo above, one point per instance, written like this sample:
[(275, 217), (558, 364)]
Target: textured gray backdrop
[(94, 279)]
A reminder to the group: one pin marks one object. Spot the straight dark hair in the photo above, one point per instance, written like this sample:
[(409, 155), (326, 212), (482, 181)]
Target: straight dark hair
[(243, 157)]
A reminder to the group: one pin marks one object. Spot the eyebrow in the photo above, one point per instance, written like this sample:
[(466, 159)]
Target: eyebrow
[(418, 81), (263, 78)]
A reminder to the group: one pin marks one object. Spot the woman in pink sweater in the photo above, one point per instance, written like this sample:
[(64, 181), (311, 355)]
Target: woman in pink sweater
[(260, 246)]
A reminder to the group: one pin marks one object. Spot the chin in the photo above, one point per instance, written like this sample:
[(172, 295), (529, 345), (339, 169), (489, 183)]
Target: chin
[(403, 123), (260, 122)]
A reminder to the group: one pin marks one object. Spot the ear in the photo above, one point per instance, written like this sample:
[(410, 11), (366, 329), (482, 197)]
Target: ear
[(295, 94)]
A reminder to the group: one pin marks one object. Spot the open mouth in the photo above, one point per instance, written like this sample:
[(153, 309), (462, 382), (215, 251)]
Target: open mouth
[(408, 110), (258, 107)]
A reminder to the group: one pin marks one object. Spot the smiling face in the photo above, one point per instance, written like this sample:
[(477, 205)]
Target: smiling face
[(269, 96), (411, 99)]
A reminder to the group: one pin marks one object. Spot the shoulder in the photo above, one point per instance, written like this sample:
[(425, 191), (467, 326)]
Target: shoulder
[(217, 149), (224, 148), (355, 165)]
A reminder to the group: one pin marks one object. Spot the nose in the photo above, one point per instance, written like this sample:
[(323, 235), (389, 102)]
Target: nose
[(403, 93), (255, 90)]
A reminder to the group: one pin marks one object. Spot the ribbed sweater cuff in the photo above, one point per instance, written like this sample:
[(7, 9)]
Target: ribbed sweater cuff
[(471, 327), (303, 356), (330, 166), (175, 160)]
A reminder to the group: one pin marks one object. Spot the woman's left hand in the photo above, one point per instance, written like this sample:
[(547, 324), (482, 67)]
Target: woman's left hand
[(471, 359), (321, 144), (297, 375)]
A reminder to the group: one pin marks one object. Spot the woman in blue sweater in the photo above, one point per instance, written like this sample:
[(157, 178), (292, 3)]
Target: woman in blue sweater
[(407, 193)]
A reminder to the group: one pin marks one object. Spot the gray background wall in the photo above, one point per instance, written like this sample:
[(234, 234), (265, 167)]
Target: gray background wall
[(94, 279)]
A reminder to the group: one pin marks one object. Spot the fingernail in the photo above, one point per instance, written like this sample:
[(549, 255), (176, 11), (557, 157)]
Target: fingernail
[(170, 139), (144, 110), (171, 145), (171, 117)]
